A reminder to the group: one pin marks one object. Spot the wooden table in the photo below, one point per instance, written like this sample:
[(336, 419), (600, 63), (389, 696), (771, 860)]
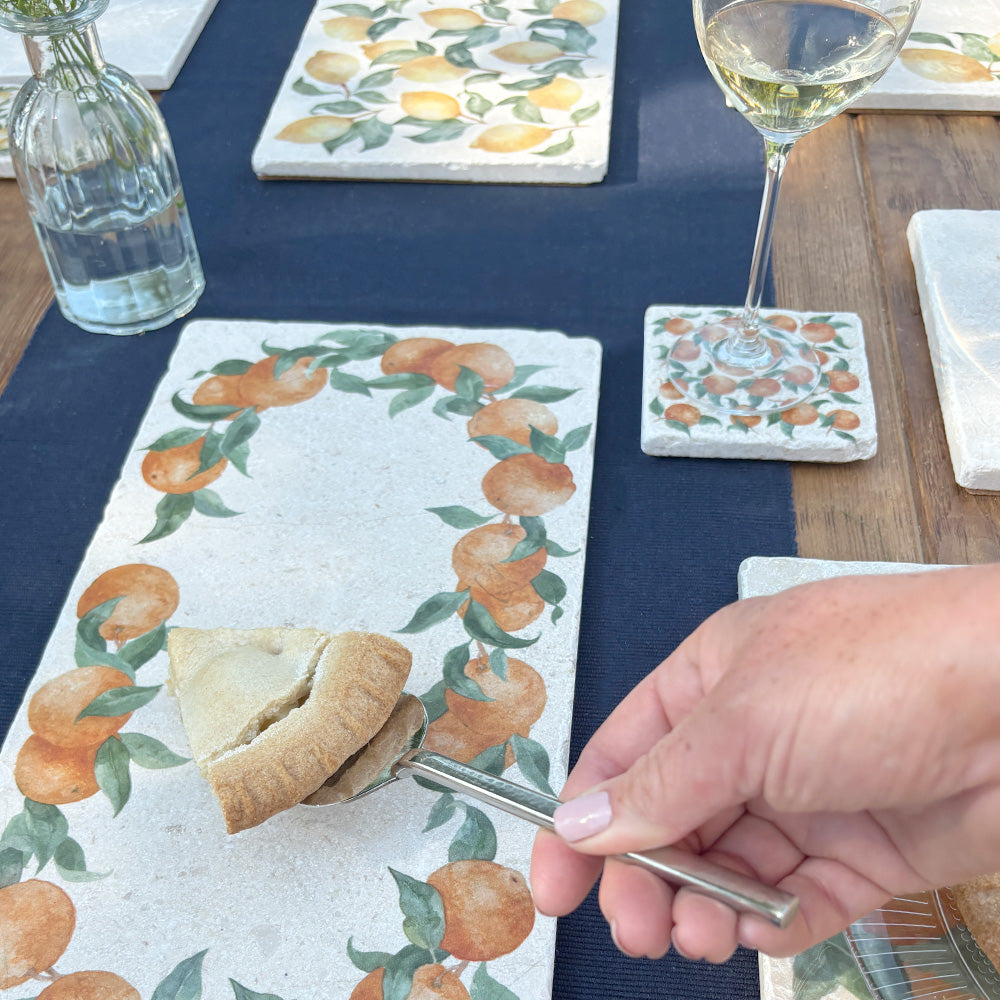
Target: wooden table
[(840, 245)]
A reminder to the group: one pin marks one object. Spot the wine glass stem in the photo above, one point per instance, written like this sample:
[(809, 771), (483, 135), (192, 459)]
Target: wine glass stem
[(777, 156)]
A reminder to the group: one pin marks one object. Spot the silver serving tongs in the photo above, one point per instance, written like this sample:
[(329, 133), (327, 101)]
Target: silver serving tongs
[(398, 748)]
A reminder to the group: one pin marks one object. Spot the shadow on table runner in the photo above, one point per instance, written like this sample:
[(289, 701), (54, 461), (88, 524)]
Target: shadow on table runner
[(673, 222)]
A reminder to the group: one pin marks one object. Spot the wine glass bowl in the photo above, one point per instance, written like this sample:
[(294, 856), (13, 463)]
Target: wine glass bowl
[(788, 66)]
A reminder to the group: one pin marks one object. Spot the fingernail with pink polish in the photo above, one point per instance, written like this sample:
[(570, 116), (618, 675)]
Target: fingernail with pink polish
[(583, 816)]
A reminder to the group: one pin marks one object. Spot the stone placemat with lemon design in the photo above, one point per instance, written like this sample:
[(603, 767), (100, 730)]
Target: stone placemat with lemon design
[(835, 424), (426, 90), (428, 484), (950, 62)]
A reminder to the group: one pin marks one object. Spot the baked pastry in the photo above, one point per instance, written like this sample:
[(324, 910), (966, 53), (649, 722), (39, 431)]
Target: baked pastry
[(978, 901), (271, 713)]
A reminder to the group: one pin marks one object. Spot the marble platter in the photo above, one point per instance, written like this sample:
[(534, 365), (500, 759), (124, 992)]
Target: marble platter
[(950, 62), (336, 501), (424, 90), (957, 266)]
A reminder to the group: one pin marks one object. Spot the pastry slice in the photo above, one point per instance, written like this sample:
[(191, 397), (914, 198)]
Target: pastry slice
[(271, 713), (978, 901)]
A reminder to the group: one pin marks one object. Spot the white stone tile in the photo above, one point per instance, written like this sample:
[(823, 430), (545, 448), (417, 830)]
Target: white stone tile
[(481, 116), (947, 64), (150, 39), (341, 524), (956, 257), (836, 424)]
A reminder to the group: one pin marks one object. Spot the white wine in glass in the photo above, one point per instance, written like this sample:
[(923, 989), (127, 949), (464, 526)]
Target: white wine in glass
[(788, 66)]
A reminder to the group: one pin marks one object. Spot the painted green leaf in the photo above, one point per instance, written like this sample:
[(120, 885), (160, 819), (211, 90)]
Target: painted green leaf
[(373, 97), (425, 48), (423, 911), (434, 703), (234, 366), (175, 439), (345, 382), (546, 446), (171, 512), (843, 397), (480, 625), (931, 38), (401, 380), (543, 393), (441, 812), (380, 79), (445, 131), (656, 407), (240, 431), (469, 384), (454, 674), (112, 772), (977, 47), (72, 865), (119, 701), (374, 133), (501, 447), (582, 114), (459, 55), (11, 866), (498, 663), (477, 104), (526, 111), (457, 405), (559, 148), (534, 539), (549, 587), (409, 398), (353, 9), (533, 760), (555, 550), (531, 83), (485, 987), (242, 993), (139, 651), (206, 414), (475, 839), (395, 57), (571, 67), (148, 752), (576, 438), (521, 375), (435, 610), (302, 86), (366, 961), (380, 28), (339, 108), (460, 517), (210, 454), (40, 830), (209, 503), (495, 11), (492, 760), (398, 979), (87, 656), (679, 425), (184, 983)]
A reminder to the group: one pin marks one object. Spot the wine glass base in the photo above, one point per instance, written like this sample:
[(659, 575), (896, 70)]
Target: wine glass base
[(705, 369)]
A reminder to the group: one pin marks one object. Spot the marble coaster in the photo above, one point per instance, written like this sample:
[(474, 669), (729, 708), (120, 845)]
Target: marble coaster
[(828, 971), (956, 258), (837, 424), (502, 93), (150, 39), (337, 477), (950, 62)]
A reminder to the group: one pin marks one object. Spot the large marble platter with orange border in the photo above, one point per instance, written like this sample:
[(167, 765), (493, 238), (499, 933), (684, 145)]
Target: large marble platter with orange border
[(341, 477)]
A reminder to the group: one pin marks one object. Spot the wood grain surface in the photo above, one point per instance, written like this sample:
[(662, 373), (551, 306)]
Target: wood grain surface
[(840, 244)]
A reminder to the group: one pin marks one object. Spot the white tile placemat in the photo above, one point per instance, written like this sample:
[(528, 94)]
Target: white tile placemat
[(335, 497), (836, 423), (502, 93), (956, 258), (950, 62)]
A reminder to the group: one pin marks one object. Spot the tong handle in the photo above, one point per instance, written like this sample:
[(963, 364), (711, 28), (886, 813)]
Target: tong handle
[(672, 864)]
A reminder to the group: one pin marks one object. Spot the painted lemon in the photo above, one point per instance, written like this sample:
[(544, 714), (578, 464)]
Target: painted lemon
[(944, 66), (320, 128), (430, 105), (332, 67), (527, 53), (430, 69), (348, 29), (562, 93), (511, 138), (994, 44), (375, 49), (585, 12), (452, 18)]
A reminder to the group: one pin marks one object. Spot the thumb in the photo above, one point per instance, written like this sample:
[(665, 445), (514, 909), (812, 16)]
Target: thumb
[(692, 774)]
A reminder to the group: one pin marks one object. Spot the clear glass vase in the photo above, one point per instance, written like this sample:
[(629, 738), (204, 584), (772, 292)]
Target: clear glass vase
[(95, 165)]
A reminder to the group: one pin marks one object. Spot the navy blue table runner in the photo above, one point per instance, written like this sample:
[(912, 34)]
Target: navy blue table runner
[(673, 222)]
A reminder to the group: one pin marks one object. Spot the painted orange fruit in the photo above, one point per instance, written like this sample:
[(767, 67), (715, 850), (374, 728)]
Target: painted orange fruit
[(747, 421), (149, 596), (434, 982), (37, 920), (491, 363), (683, 412), (478, 559), (685, 350), (798, 375), (843, 381), (90, 986), (782, 322), (515, 611), (518, 700), (528, 486), (452, 737), (54, 707), (719, 385), (220, 390), (175, 470), (513, 418), (678, 326), (370, 988), (296, 384), (764, 387), (488, 910), (669, 391), (415, 354), (845, 420), (817, 333), (800, 415), (55, 775)]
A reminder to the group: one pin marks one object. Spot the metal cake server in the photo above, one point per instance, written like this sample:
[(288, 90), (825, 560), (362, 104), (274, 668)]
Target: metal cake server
[(398, 748)]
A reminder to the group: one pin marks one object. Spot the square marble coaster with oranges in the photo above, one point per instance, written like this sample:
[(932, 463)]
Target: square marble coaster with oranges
[(489, 92), (836, 423), (330, 476)]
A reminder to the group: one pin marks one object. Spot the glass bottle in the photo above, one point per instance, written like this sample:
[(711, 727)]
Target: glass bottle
[(95, 165)]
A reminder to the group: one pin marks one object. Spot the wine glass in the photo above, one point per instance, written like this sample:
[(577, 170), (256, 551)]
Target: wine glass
[(787, 66)]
